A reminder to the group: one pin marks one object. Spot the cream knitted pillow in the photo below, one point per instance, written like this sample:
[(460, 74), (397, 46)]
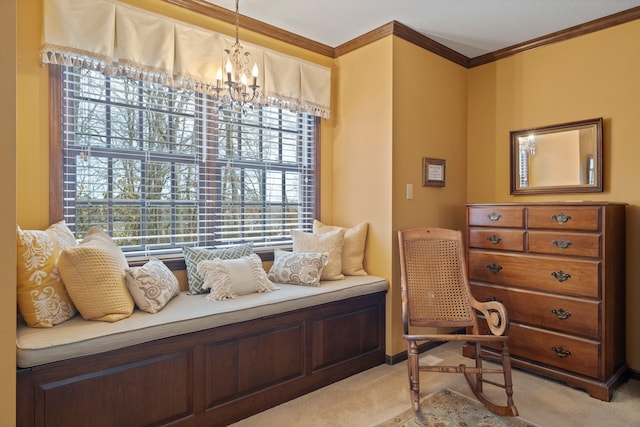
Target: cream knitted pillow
[(94, 275)]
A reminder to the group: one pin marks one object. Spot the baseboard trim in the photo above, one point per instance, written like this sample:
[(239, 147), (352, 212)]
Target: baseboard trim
[(633, 374), (401, 357)]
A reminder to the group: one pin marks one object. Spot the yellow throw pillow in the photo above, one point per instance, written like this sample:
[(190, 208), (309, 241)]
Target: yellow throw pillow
[(42, 298), (355, 240), (94, 274)]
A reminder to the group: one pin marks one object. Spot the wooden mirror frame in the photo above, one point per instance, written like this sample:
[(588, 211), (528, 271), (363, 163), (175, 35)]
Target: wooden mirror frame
[(588, 170)]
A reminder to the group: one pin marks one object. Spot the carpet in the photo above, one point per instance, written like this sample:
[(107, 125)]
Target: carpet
[(447, 408)]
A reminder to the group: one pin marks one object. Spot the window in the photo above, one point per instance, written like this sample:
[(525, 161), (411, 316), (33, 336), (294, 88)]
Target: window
[(160, 168)]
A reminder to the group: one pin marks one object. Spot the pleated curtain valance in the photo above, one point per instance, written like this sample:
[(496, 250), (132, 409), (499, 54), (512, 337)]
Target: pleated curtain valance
[(124, 40)]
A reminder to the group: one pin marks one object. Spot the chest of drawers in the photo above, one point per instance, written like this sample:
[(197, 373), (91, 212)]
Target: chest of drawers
[(559, 268)]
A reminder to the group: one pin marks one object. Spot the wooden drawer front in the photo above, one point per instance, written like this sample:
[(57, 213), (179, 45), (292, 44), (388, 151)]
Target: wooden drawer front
[(580, 278), (564, 217), (499, 216), (559, 350), (508, 240), (571, 244), (561, 314)]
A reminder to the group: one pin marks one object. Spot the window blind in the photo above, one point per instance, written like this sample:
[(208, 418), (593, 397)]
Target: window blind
[(159, 168)]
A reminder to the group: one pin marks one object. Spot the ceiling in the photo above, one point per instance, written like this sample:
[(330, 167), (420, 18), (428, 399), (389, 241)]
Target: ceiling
[(469, 27)]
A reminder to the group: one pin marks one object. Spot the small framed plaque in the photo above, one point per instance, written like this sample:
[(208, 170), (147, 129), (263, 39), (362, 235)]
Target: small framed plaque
[(433, 172)]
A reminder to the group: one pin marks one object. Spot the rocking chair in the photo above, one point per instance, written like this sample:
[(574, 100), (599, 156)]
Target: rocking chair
[(435, 293)]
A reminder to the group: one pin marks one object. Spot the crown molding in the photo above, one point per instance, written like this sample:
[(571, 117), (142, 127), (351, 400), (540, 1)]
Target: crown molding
[(405, 33), (569, 33), (225, 15)]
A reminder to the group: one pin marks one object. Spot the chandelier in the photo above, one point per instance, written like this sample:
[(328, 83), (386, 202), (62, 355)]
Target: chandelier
[(233, 90), (528, 144)]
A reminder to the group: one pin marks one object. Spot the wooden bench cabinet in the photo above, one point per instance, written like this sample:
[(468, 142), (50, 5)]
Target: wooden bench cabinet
[(559, 268)]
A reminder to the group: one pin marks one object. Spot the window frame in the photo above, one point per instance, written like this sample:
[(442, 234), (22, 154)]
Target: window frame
[(56, 162)]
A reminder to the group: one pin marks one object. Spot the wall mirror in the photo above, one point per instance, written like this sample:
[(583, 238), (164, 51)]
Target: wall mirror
[(565, 158)]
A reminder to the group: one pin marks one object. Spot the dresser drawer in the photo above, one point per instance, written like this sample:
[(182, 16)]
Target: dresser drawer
[(569, 244), (496, 238), (499, 216), (547, 274), (561, 314), (554, 349), (565, 218)]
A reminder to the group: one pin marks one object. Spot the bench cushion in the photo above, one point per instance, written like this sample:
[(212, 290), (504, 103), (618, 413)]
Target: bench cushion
[(183, 314)]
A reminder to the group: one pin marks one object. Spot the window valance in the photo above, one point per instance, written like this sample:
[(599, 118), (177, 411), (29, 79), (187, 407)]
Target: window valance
[(121, 39)]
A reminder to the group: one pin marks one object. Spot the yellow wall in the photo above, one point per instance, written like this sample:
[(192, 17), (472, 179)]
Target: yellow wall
[(392, 104), (429, 120), (396, 104), (362, 170), (595, 75), (8, 213)]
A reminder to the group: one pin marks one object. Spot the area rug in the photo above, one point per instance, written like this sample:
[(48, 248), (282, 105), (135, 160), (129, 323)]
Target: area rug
[(446, 408)]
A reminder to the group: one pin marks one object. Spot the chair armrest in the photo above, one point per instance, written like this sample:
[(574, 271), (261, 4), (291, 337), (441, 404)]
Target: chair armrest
[(496, 315)]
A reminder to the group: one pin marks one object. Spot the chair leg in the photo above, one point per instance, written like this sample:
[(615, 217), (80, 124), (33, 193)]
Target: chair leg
[(479, 366), (508, 383), (414, 374)]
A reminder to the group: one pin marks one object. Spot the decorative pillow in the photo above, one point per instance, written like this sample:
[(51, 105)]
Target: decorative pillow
[(232, 277), (297, 268), (330, 242), (355, 239), (93, 273), (193, 256), (152, 285), (42, 298)]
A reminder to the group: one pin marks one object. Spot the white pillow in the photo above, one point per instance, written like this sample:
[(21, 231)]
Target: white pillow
[(297, 268), (232, 277), (355, 240), (330, 243), (193, 256), (152, 285)]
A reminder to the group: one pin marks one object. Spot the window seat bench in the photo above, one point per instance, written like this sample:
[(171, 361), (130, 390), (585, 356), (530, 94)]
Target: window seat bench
[(200, 362)]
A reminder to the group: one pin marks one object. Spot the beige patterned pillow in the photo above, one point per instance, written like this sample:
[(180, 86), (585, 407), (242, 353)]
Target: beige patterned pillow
[(297, 268), (330, 242), (152, 285), (232, 277), (355, 240), (93, 273), (42, 298)]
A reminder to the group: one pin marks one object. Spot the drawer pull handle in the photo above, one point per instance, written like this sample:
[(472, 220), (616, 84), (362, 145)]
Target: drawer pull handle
[(494, 216), (560, 351), (494, 268), (561, 314), (494, 239), (561, 244), (494, 299), (560, 276), (561, 218)]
